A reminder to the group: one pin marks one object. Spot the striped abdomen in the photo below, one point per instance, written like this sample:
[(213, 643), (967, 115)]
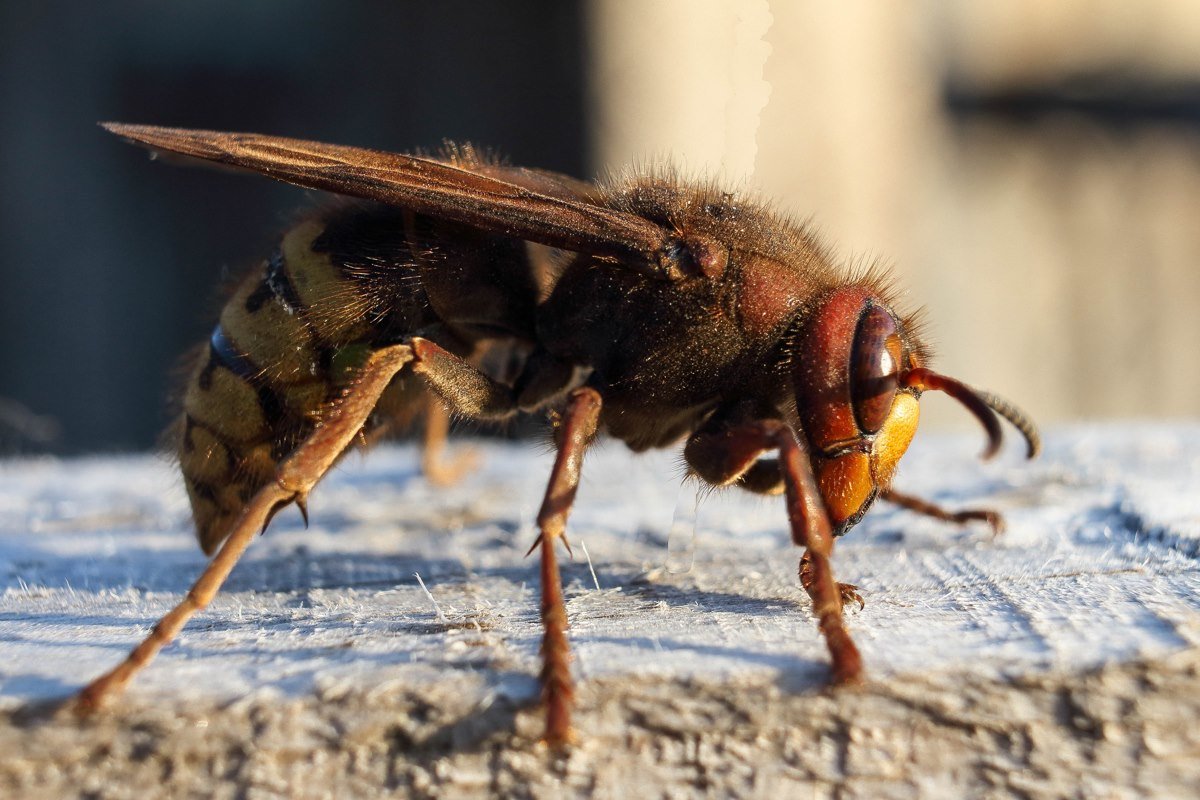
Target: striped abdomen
[(287, 340), (298, 327)]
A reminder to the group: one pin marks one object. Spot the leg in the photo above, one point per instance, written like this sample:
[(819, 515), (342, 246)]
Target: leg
[(469, 391), (722, 454), (574, 433), (294, 478), (473, 393), (811, 529), (437, 469), (992, 518), (848, 591), (409, 399)]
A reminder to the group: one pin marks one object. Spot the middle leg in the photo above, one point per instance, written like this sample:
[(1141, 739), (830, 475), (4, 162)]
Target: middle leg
[(574, 433), (475, 394)]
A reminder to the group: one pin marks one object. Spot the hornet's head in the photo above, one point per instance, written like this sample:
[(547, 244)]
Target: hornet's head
[(857, 375)]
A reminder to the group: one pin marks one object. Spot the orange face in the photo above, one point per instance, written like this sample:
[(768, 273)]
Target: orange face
[(857, 416)]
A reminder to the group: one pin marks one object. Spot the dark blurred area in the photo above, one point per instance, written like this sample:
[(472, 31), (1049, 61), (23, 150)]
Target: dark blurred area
[(1031, 171), (112, 266)]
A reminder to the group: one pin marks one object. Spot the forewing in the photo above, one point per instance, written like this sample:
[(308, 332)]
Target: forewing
[(559, 216)]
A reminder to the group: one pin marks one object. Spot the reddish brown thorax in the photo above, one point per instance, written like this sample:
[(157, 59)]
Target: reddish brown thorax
[(857, 418), (770, 293)]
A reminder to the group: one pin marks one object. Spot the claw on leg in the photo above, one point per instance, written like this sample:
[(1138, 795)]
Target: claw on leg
[(848, 591)]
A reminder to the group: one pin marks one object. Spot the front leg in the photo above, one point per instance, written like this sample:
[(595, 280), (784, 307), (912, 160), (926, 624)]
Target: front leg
[(721, 455), (993, 518)]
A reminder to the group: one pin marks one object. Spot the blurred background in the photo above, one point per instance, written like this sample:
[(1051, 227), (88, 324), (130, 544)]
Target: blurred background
[(1031, 171)]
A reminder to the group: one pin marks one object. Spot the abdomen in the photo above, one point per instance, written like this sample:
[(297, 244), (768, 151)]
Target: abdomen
[(288, 338)]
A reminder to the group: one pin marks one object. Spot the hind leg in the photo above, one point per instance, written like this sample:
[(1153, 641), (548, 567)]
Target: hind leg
[(298, 473), (294, 479)]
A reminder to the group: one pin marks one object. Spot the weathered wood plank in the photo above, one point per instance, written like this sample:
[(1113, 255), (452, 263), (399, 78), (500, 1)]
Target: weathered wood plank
[(1067, 647)]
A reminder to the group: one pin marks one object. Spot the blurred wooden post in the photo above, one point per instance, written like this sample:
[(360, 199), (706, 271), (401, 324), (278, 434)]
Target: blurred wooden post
[(1056, 257)]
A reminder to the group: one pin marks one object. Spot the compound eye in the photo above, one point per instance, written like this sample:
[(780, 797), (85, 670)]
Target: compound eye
[(874, 368)]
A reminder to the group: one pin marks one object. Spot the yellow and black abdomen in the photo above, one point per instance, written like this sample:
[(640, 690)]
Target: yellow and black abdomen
[(297, 328), (288, 339)]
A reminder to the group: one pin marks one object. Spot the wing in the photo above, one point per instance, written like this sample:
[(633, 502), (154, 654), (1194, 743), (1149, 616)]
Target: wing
[(559, 215)]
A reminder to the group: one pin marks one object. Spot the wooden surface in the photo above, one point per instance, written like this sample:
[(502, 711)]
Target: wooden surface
[(1061, 655)]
